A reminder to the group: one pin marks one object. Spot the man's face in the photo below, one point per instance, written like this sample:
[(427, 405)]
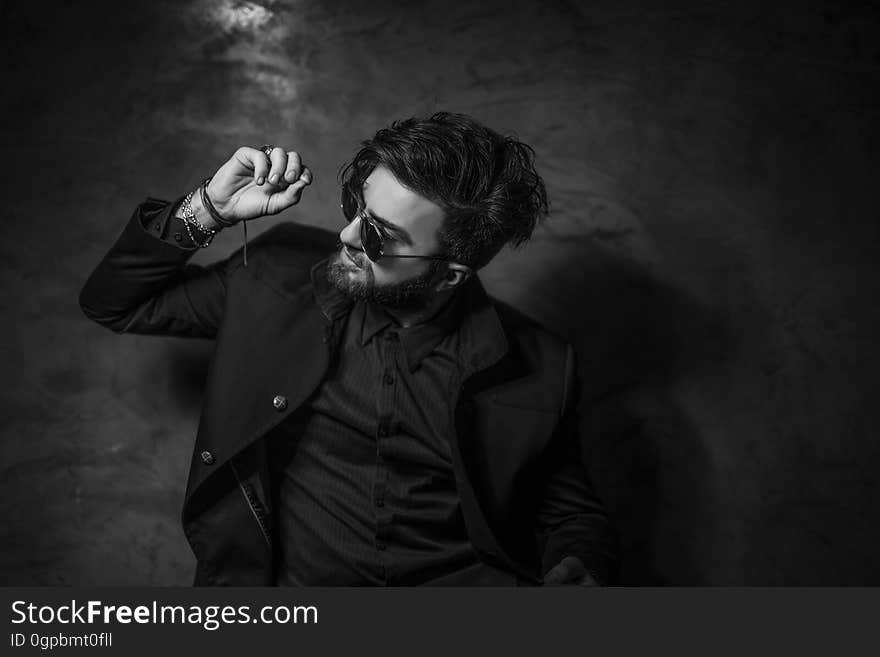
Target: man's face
[(411, 223)]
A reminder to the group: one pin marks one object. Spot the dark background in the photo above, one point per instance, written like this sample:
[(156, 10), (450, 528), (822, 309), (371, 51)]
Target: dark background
[(711, 253)]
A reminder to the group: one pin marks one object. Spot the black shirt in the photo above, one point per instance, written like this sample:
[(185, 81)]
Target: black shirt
[(368, 496)]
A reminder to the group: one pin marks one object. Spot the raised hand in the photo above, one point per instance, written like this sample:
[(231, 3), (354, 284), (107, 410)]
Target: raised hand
[(252, 184)]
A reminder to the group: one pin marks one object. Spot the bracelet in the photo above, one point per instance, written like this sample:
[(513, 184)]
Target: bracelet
[(223, 223), (209, 205), (190, 222)]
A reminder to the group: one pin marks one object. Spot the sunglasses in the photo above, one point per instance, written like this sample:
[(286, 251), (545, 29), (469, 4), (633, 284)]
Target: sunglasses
[(373, 235)]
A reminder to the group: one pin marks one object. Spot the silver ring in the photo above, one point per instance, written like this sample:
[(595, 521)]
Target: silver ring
[(267, 149)]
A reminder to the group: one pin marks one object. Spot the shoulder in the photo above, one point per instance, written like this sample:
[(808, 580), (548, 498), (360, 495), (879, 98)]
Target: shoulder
[(545, 357), (527, 333), (283, 255)]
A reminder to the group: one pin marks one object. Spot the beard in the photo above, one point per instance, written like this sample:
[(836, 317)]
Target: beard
[(410, 294)]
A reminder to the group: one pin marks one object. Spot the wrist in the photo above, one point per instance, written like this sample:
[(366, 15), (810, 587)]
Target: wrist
[(202, 215), (194, 218), (208, 204)]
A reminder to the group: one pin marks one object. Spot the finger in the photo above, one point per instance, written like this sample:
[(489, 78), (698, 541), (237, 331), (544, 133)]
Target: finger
[(261, 168), (284, 199), (294, 166), (305, 176), (254, 160), (588, 580), (576, 567), (278, 159), (557, 575)]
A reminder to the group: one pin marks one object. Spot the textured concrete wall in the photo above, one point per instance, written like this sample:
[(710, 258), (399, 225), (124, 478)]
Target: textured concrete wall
[(711, 253)]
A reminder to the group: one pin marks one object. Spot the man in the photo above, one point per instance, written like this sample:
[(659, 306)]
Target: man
[(371, 416)]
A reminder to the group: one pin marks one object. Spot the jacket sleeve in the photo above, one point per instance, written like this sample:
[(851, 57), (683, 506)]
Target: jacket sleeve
[(145, 285), (571, 518)]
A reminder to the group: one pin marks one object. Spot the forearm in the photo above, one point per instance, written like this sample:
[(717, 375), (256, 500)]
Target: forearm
[(140, 267)]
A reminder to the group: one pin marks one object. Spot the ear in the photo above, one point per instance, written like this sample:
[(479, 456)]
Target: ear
[(454, 276)]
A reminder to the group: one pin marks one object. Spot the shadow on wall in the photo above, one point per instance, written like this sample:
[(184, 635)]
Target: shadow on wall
[(634, 335)]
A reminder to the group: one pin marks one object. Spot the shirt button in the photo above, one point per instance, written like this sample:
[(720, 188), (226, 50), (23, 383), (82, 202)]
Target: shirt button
[(380, 502), (207, 457), (279, 402), (388, 379), (157, 226), (177, 237), (383, 431), (381, 546)]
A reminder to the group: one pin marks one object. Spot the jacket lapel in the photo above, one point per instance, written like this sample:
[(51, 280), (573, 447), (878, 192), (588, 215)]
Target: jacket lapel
[(485, 360), (274, 355)]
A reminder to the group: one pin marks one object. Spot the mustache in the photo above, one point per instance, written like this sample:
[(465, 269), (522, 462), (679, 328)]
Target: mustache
[(361, 255)]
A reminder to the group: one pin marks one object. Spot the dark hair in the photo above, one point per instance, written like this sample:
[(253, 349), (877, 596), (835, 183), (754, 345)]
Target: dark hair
[(486, 183)]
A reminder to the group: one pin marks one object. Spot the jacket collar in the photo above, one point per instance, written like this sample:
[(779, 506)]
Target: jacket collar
[(482, 339)]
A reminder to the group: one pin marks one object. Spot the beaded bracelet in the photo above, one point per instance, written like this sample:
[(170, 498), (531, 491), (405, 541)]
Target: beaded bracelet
[(190, 222)]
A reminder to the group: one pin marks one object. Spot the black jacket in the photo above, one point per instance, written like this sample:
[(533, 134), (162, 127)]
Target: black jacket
[(525, 495)]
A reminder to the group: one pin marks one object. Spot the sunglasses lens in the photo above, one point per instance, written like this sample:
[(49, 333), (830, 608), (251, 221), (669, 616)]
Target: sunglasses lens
[(371, 240), (349, 204)]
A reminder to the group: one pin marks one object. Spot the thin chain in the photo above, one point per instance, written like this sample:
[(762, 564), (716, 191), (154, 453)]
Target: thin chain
[(190, 221)]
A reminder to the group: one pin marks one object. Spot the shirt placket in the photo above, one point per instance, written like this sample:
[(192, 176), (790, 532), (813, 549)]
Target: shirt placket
[(390, 346)]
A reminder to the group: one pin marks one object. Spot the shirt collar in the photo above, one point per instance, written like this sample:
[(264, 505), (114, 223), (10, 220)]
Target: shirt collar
[(482, 339), (418, 341)]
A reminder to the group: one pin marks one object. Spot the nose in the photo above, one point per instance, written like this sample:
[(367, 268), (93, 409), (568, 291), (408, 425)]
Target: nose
[(351, 234)]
